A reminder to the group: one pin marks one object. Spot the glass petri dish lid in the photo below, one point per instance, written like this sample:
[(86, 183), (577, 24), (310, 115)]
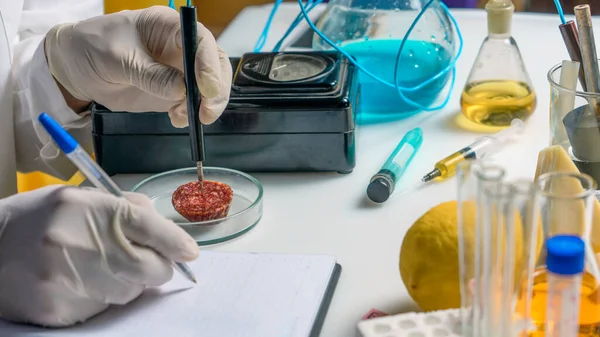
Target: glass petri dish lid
[(245, 211)]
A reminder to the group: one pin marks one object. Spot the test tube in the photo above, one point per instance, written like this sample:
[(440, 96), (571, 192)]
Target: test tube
[(383, 182), (587, 45), (564, 102), (570, 36), (475, 258), (565, 264)]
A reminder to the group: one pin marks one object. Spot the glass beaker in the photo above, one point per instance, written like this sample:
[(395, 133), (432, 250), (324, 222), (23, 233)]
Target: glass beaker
[(574, 125), (496, 233), (372, 32), (566, 207)]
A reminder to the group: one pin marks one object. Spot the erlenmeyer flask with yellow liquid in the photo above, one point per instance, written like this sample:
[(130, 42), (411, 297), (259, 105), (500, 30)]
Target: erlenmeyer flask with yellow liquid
[(567, 203), (498, 88)]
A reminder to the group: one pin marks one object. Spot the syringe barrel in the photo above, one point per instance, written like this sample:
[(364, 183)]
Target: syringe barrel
[(404, 152), (486, 145)]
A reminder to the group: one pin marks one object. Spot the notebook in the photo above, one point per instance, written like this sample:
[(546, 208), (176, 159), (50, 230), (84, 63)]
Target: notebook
[(237, 295)]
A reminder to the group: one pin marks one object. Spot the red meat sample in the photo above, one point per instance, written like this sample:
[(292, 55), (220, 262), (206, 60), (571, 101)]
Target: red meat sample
[(211, 203)]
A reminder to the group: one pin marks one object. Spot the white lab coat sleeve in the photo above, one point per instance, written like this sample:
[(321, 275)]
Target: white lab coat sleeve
[(35, 91)]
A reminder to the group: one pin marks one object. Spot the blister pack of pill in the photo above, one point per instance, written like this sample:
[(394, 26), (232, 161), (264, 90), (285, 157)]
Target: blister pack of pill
[(444, 323)]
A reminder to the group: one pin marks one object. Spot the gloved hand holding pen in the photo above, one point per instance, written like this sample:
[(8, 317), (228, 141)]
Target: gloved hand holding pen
[(132, 61), (72, 258)]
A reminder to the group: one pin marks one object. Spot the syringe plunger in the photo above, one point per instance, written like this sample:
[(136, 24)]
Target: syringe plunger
[(517, 128)]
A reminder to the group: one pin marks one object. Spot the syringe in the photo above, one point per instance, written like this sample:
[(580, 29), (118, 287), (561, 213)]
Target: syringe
[(480, 148), (383, 183)]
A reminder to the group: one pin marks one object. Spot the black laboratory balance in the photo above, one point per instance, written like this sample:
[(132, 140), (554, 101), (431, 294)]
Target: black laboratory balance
[(288, 112)]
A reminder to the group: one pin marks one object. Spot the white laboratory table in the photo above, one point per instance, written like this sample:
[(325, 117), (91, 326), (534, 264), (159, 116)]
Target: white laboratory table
[(326, 213)]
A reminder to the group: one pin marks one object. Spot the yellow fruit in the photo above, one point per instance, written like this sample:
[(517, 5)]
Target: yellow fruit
[(429, 258), (556, 159)]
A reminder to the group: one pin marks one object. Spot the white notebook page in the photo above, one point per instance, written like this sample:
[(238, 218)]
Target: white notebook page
[(237, 295)]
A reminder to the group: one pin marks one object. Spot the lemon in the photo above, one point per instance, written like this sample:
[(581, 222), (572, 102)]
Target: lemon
[(429, 257)]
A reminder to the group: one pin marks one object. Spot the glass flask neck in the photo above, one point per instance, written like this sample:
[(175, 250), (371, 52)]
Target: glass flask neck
[(507, 37)]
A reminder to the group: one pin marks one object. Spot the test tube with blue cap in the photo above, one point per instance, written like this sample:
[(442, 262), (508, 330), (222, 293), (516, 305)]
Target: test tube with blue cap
[(383, 183), (94, 173)]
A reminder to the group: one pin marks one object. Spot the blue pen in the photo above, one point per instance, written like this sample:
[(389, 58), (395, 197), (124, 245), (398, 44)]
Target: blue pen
[(94, 173), (383, 182)]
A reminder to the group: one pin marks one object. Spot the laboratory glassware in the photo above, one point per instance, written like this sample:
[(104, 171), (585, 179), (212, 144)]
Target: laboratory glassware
[(498, 88), (566, 208), (373, 32), (479, 149), (496, 233), (565, 256), (587, 46), (383, 183), (573, 124)]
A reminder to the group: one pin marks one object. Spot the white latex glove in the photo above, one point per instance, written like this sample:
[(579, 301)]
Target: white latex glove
[(67, 253), (133, 61)]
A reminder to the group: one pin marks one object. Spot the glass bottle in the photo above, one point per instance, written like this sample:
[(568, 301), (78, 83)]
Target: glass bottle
[(498, 88), (372, 31), (566, 208), (496, 223)]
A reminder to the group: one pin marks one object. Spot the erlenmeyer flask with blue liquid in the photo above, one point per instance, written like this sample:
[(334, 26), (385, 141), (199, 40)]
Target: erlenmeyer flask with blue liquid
[(373, 32)]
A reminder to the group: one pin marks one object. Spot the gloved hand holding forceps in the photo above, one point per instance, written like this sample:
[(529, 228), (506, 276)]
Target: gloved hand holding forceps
[(67, 253)]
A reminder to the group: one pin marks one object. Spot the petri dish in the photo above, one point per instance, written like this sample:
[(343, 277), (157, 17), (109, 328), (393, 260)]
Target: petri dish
[(245, 211)]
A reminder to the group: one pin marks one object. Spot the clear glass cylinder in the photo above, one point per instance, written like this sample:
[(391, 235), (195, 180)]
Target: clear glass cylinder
[(526, 201), (566, 207), (372, 32), (574, 125), (496, 233)]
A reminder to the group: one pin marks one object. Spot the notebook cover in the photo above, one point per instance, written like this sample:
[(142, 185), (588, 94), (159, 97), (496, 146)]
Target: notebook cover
[(329, 292)]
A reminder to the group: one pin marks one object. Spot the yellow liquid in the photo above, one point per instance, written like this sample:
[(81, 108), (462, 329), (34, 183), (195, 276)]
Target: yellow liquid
[(589, 310), (497, 103)]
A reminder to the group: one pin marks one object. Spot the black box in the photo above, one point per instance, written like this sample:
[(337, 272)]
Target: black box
[(278, 135)]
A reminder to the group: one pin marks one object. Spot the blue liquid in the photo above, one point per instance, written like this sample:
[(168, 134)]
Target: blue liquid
[(419, 61)]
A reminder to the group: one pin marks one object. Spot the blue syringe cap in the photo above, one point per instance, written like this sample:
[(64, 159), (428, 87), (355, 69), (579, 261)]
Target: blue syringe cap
[(565, 255)]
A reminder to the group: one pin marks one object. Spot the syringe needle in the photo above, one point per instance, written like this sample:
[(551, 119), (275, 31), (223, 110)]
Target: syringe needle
[(407, 189), (432, 175)]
